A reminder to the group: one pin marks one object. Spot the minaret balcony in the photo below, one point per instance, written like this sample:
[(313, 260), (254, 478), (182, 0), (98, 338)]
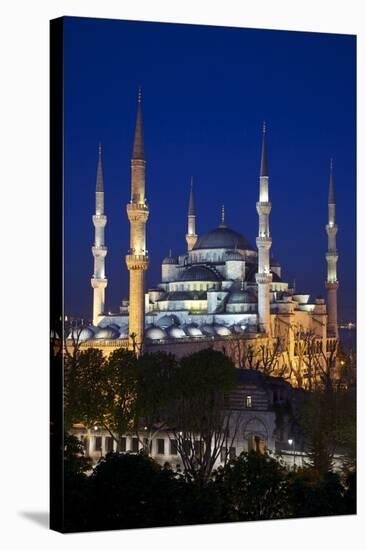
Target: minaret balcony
[(99, 220), (99, 283), (264, 207), (331, 255), (137, 261), (264, 243), (331, 229), (331, 285), (99, 251), (137, 212), (263, 278)]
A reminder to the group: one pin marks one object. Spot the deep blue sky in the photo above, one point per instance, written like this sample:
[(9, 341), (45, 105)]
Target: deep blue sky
[(206, 91)]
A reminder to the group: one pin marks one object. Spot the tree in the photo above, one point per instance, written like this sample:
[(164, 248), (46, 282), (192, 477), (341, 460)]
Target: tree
[(154, 390), (84, 378), (198, 416), (76, 485), (253, 486), (119, 394), (312, 494), (133, 491)]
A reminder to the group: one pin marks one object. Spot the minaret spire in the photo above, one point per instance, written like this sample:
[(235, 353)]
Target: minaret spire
[(264, 164), (191, 236), (331, 256), (264, 243), (137, 259), (138, 142), (99, 250)]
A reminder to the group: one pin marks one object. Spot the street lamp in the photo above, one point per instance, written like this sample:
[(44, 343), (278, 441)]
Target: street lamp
[(291, 442)]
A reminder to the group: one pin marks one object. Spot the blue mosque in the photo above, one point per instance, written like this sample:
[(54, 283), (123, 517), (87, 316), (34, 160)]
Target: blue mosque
[(222, 287)]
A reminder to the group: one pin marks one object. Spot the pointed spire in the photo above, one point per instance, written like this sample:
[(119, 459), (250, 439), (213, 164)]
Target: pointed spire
[(264, 165), (138, 144), (331, 198), (222, 224), (191, 209), (100, 183)]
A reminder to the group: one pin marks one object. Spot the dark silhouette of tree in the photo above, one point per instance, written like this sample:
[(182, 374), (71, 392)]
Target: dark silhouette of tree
[(119, 394), (154, 389), (199, 417), (253, 486), (76, 485), (312, 494), (131, 491)]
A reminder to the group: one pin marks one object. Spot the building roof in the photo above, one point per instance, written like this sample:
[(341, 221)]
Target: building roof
[(222, 237)]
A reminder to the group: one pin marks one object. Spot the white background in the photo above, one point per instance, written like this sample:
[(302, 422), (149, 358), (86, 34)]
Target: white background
[(24, 195)]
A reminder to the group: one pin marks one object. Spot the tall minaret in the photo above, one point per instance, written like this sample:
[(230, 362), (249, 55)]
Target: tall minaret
[(191, 236), (264, 242), (99, 281), (137, 259), (331, 256)]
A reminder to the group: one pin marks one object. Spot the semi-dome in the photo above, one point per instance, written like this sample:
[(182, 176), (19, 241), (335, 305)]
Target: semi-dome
[(199, 273), (222, 237), (155, 333), (107, 333), (167, 321)]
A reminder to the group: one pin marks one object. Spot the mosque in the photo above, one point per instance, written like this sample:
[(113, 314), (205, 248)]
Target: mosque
[(221, 292)]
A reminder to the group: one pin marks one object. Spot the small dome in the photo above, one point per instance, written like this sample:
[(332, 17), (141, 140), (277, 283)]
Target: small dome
[(233, 255), (221, 330), (274, 263), (81, 335), (222, 237), (176, 332), (123, 331), (208, 330), (155, 333), (170, 260), (167, 321), (107, 333), (199, 273), (193, 330), (241, 297), (238, 329)]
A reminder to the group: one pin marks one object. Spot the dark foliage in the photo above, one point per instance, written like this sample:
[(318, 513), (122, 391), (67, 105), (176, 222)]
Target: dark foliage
[(253, 486)]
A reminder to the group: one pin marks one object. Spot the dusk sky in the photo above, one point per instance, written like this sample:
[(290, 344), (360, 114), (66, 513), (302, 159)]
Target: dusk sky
[(206, 91)]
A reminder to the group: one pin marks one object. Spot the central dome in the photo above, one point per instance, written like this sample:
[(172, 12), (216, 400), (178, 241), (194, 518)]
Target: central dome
[(222, 237)]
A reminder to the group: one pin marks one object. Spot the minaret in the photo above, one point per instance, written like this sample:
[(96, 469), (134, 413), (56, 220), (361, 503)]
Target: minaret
[(137, 259), (99, 281), (264, 242), (191, 236), (331, 256)]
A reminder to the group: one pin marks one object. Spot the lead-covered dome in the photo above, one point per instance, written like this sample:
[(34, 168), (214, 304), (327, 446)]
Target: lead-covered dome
[(199, 273), (222, 237)]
